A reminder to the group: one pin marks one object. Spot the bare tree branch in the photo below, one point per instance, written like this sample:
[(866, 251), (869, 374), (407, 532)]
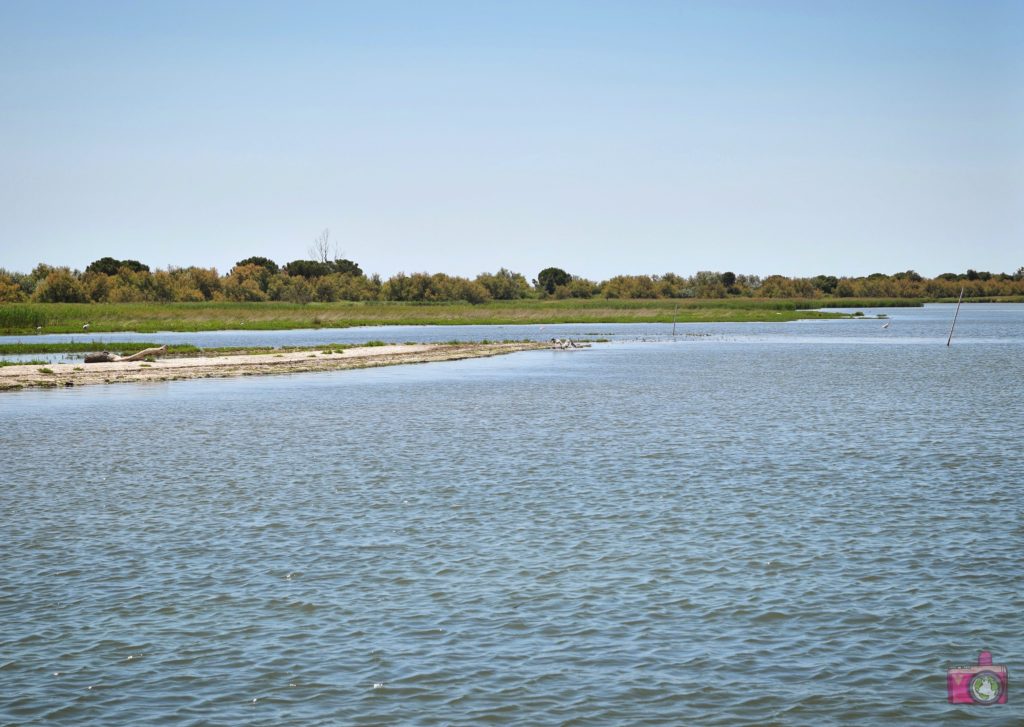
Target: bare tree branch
[(321, 248)]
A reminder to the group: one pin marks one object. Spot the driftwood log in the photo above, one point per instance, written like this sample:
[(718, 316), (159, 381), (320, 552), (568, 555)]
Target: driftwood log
[(567, 343), (108, 357)]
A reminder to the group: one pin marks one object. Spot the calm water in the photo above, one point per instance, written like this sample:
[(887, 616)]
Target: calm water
[(789, 524), (988, 323)]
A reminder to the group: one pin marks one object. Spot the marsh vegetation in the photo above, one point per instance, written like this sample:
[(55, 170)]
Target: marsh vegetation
[(155, 317)]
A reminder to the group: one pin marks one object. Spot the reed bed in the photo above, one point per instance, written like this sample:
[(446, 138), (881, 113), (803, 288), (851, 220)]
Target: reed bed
[(26, 318), (29, 318)]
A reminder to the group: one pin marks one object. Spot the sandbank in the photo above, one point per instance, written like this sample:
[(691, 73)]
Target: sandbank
[(279, 362)]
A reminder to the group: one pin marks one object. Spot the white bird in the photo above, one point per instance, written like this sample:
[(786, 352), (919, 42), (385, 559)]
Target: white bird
[(38, 328), (886, 324), (85, 327)]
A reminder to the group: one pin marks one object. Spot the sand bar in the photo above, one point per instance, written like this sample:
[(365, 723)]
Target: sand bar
[(280, 362)]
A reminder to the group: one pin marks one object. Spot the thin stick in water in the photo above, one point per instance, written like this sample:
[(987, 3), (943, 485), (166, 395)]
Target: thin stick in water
[(950, 339)]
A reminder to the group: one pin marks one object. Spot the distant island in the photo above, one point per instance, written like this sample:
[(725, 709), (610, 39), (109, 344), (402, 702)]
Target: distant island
[(257, 293)]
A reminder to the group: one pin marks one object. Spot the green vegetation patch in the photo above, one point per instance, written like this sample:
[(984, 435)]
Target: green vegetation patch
[(124, 348), (157, 317), (860, 302)]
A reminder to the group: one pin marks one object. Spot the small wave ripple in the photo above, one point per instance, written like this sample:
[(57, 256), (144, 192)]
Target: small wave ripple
[(682, 535)]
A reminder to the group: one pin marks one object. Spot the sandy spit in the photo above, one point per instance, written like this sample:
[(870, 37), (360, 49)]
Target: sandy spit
[(283, 362)]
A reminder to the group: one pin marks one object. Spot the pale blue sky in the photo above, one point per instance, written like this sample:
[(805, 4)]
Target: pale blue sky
[(602, 137)]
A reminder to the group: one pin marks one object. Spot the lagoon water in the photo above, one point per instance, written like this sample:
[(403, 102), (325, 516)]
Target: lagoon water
[(801, 523)]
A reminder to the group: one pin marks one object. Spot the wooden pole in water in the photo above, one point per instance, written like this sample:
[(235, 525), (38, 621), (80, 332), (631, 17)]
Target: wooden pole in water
[(959, 301), (675, 314)]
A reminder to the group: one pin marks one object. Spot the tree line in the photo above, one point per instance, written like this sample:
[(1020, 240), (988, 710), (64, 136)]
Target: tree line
[(109, 280)]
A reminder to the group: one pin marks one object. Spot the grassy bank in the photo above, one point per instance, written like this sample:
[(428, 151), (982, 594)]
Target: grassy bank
[(860, 302), (24, 318), (124, 348)]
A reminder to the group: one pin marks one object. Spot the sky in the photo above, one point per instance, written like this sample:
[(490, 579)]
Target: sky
[(640, 137)]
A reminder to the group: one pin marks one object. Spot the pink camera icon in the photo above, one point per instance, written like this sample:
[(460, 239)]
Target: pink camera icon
[(983, 683)]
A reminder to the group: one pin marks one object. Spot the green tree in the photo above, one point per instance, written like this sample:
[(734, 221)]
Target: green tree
[(911, 275), (825, 283), (309, 268), (550, 278), (135, 266), (111, 266), (708, 284), (263, 262), (105, 265), (347, 267)]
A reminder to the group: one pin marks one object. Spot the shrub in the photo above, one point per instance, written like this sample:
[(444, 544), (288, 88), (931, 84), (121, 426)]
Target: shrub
[(60, 286), (504, 284), (10, 291), (262, 262)]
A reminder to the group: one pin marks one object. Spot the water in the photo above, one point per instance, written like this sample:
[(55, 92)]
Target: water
[(790, 524), (986, 323)]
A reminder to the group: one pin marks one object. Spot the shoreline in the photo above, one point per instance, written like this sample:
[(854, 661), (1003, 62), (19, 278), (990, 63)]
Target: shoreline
[(14, 378)]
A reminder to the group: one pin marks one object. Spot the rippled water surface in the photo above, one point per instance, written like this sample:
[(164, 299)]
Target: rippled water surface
[(988, 323), (768, 524)]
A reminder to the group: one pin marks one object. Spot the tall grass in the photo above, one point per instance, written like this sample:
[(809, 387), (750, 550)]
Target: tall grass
[(18, 317), (987, 299), (811, 303), (157, 317)]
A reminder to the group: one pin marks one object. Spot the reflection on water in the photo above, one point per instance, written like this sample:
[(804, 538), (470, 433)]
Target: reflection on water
[(724, 531)]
